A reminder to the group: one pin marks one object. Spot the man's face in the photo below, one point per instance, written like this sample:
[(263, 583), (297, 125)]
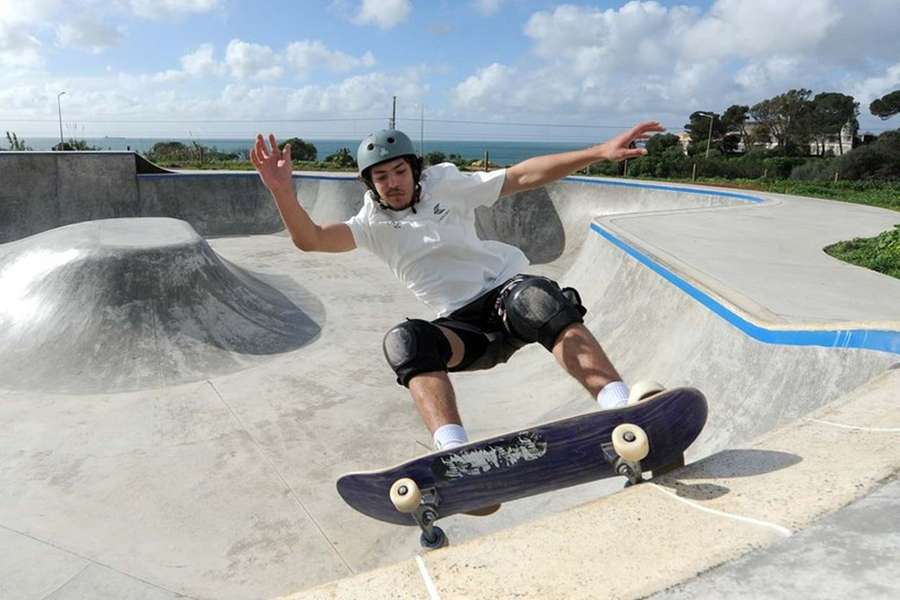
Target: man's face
[(393, 180)]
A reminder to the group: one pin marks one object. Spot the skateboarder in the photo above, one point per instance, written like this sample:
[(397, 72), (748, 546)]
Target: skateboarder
[(421, 222)]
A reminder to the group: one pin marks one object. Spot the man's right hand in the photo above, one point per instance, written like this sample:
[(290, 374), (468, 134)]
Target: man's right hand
[(274, 165)]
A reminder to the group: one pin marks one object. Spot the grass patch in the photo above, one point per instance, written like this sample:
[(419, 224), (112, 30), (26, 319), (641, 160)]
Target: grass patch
[(880, 253), (871, 193)]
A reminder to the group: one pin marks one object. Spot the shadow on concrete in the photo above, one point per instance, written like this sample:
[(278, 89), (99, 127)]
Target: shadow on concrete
[(727, 464)]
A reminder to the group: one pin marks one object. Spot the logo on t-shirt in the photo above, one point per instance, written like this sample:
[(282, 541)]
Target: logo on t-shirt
[(438, 210)]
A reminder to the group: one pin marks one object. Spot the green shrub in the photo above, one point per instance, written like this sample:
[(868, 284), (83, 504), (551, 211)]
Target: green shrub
[(881, 253)]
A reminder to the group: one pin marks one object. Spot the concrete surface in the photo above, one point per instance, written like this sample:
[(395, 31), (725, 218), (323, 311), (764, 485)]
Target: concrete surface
[(222, 485), (851, 553)]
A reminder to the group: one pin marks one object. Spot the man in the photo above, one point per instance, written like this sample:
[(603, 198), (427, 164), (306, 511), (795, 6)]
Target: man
[(422, 224)]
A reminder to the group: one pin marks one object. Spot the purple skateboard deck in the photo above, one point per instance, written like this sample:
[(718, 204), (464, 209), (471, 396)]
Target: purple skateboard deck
[(532, 461)]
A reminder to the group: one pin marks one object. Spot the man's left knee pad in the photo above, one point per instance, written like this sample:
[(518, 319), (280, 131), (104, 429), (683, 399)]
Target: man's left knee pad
[(538, 311), (416, 346)]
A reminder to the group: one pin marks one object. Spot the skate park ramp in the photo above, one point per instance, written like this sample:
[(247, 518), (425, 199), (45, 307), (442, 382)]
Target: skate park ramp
[(221, 485)]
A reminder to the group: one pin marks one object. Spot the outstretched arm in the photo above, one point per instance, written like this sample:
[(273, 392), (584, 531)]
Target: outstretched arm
[(542, 170), (275, 168)]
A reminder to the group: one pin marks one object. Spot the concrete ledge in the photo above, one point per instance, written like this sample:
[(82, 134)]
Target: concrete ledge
[(683, 524)]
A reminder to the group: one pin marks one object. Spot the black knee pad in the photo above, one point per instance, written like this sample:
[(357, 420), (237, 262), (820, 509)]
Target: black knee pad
[(538, 311), (416, 346)]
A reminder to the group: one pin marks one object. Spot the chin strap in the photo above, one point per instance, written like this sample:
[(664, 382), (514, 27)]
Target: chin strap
[(412, 205)]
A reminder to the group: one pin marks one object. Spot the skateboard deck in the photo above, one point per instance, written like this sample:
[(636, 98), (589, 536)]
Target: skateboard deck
[(532, 461)]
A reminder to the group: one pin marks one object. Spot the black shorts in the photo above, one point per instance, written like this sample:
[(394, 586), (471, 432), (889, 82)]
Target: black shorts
[(479, 324)]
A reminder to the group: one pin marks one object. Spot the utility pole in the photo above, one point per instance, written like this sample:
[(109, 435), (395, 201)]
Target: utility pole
[(394, 115)]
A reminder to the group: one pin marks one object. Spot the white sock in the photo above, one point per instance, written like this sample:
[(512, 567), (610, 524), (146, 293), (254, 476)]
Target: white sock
[(450, 436), (614, 395)]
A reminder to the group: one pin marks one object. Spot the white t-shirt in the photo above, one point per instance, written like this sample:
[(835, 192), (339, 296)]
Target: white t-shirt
[(435, 251)]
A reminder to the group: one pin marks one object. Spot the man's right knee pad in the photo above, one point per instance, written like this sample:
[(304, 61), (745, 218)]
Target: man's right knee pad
[(538, 311), (416, 346)]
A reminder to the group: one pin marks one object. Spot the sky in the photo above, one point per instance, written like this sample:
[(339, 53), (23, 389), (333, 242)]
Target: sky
[(526, 70)]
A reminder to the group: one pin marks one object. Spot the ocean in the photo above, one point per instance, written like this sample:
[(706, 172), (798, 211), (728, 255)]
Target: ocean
[(502, 153)]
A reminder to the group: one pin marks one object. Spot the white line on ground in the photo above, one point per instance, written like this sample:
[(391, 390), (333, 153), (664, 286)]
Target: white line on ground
[(875, 429), (783, 531), (429, 584)]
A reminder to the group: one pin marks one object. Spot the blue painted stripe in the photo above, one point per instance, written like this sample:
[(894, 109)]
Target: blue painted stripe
[(668, 188), (865, 339)]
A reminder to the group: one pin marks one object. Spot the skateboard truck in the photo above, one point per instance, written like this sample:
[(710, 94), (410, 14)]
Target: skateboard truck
[(627, 447), (631, 470), (423, 506)]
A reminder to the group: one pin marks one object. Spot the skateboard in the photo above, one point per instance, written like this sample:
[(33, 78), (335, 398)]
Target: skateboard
[(647, 435)]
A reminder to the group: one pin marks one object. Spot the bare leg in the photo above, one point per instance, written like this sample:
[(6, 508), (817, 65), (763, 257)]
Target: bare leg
[(579, 353), (433, 393)]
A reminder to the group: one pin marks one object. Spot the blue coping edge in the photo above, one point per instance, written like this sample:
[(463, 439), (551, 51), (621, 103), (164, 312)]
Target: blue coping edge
[(669, 188), (864, 339)]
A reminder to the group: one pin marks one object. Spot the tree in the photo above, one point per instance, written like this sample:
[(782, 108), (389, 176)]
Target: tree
[(168, 151), (887, 106), (658, 144), (342, 158), (699, 129), (786, 117), (831, 111), (735, 121), (435, 158), (300, 150), (74, 145), (877, 160)]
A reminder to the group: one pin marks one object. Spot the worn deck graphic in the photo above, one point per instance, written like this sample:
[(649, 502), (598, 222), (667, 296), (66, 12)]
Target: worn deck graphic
[(503, 454), (532, 461)]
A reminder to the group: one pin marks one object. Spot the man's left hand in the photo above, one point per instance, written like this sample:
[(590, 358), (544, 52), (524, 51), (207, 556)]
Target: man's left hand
[(619, 147)]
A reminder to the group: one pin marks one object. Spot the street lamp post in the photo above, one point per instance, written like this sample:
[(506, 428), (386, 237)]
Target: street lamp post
[(711, 118), (59, 107)]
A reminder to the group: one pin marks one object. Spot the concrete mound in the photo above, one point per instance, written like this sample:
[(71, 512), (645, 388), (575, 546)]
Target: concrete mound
[(125, 304)]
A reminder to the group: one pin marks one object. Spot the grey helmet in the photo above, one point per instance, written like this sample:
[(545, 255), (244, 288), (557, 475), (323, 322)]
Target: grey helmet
[(382, 146)]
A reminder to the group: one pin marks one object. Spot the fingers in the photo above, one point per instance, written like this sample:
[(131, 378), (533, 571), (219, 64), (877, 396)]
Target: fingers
[(647, 127), (260, 148), (275, 151), (286, 153)]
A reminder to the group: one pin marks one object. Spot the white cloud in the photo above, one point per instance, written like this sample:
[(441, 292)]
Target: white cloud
[(768, 73), (161, 9), (88, 34), (488, 7), (201, 62), (385, 14), (872, 88), (252, 61), (485, 86), (18, 49), (307, 55), (27, 13), (646, 59)]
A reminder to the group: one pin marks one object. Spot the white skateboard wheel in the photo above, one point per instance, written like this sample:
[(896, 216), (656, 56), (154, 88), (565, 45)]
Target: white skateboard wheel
[(644, 390), (630, 442), (405, 495)]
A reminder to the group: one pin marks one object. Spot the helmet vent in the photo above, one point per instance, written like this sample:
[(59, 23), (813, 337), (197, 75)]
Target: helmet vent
[(390, 140), (370, 147)]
